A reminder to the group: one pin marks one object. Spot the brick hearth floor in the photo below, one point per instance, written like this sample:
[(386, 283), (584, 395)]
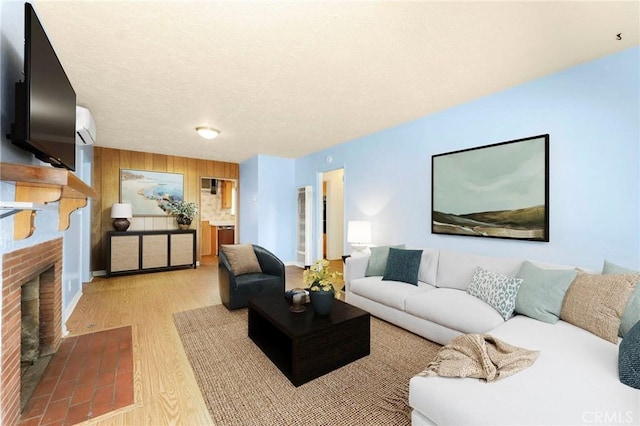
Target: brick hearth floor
[(90, 375)]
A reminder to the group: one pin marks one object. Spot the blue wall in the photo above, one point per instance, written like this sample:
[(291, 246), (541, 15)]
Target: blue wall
[(268, 204), (248, 201), (591, 112)]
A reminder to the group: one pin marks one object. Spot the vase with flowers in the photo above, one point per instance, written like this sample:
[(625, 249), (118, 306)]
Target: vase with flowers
[(184, 212), (320, 281)]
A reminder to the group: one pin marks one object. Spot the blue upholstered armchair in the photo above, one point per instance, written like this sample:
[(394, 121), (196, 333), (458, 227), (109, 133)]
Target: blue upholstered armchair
[(236, 290)]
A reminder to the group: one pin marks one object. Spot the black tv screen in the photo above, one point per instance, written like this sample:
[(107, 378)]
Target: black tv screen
[(45, 101)]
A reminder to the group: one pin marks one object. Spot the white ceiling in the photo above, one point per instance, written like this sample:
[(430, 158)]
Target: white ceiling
[(288, 78)]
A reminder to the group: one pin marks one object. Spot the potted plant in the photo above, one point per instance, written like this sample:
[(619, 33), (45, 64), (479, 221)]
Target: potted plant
[(184, 212), (320, 281)]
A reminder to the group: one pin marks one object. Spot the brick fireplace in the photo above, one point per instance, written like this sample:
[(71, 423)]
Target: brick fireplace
[(42, 260)]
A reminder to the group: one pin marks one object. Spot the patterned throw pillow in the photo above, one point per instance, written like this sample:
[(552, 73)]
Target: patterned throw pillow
[(596, 303), (629, 358), (242, 258), (495, 289)]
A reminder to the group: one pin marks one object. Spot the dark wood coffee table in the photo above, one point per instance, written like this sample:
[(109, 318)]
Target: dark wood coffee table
[(305, 346)]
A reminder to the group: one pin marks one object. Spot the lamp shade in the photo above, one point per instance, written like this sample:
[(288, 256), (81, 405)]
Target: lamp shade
[(359, 232), (121, 211)]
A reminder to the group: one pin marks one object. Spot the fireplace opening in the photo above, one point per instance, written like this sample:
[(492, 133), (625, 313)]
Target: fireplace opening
[(19, 267), (30, 322), (33, 361)]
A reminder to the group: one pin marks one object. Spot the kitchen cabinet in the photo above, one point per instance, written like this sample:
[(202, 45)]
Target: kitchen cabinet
[(206, 238), (214, 240), (133, 252), (226, 197)]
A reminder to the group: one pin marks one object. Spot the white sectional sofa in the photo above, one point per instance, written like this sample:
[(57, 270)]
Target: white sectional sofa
[(574, 380)]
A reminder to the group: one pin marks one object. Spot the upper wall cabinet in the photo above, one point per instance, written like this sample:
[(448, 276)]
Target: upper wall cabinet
[(226, 197), (36, 188)]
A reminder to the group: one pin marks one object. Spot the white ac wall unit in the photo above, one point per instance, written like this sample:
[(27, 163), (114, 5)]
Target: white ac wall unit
[(85, 127)]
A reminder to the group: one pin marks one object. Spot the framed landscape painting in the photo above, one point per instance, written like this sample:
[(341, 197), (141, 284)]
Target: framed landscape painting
[(498, 191), (150, 193)]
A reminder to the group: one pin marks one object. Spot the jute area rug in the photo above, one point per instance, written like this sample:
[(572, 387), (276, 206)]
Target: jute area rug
[(242, 387)]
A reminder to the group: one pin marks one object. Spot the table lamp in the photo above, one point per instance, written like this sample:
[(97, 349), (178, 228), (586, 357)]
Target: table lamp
[(359, 234), (120, 213)]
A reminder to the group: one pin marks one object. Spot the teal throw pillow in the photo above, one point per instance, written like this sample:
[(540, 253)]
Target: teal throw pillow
[(542, 291), (403, 265), (629, 358), (612, 268), (495, 289), (632, 311), (378, 260)]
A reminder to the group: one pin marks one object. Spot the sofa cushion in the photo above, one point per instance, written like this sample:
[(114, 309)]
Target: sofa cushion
[(496, 289), (389, 293), (454, 309), (256, 282), (629, 358), (403, 265), (242, 258), (632, 311), (378, 260), (542, 291), (455, 269), (596, 303), (429, 266), (573, 382)]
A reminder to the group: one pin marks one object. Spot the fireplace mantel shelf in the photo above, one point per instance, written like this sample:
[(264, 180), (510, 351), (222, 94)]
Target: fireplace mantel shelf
[(36, 187), (12, 207)]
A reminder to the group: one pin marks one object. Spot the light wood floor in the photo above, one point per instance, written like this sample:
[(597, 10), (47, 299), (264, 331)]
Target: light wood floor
[(165, 389)]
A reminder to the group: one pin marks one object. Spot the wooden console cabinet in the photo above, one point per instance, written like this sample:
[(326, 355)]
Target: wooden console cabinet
[(135, 252)]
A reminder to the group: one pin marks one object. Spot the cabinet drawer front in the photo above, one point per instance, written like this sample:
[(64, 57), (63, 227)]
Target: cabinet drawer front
[(155, 250), (125, 253)]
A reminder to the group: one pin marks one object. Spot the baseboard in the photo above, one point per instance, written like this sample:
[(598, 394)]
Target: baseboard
[(102, 273), (69, 310)]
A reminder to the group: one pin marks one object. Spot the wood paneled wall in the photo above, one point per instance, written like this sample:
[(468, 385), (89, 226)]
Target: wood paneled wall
[(107, 163)]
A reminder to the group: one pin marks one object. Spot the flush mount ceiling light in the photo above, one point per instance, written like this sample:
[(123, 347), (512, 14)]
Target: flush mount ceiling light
[(207, 132)]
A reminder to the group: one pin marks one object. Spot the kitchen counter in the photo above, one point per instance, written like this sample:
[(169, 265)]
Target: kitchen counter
[(222, 222), (218, 232)]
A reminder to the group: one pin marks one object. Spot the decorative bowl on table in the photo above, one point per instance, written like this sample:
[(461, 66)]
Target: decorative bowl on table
[(297, 297)]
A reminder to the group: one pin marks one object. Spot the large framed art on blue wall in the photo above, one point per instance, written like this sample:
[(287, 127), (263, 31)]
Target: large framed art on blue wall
[(499, 190)]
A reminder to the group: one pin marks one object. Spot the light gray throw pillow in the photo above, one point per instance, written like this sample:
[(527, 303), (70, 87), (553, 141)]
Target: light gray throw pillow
[(632, 311), (378, 260), (542, 291)]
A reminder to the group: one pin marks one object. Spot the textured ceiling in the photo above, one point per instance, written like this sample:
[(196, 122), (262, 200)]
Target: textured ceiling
[(291, 78)]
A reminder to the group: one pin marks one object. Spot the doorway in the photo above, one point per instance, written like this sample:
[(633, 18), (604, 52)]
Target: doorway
[(331, 229), (218, 208)]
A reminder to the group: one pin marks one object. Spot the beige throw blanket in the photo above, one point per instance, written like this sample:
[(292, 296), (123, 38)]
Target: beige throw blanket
[(481, 356)]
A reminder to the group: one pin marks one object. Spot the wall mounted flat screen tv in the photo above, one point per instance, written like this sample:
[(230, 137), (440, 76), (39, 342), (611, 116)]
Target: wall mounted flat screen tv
[(45, 115)]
